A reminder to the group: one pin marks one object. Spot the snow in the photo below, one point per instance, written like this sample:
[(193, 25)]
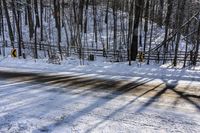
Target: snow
[(99, 96), (40, 108), (105, 67), (79, 98)]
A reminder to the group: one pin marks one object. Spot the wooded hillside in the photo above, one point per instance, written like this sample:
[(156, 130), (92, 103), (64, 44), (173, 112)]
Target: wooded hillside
[(161, 30)]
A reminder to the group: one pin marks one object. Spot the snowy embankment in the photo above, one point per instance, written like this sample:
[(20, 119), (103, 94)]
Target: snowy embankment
[(97, 97), (103, 66)]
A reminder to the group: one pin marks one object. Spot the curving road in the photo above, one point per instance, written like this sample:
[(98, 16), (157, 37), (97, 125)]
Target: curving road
[(50, 102)]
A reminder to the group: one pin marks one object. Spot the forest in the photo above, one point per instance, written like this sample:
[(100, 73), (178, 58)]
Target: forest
[(158, 31)]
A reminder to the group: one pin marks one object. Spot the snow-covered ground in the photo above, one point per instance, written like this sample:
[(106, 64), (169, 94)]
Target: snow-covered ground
[(97, 97), (38, 108), (105, 67)]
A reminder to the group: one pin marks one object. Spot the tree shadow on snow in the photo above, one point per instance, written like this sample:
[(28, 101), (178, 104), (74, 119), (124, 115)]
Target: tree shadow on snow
[(69, 83)]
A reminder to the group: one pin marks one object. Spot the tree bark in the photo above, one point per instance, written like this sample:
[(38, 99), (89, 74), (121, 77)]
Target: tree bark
[(12, 39), (180, 14), (134, 45)]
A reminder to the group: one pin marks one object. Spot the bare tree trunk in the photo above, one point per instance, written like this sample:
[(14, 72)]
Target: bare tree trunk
[(2, 30), (30, 20), (167, 21), (146, 24), (186, 48), (160, 13), (13, 3), (35, 46), (152, 21), (107, 25), (25, 15), (130, 32), (115, 27), (9, 23), (134, 45), (180, 9), (141, 23), (81, 6), (95, 21), (41, 22), (197, 46), (58, 24), (36, 13)]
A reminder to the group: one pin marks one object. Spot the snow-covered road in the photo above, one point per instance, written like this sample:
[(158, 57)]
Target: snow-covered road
[(51, 102)]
